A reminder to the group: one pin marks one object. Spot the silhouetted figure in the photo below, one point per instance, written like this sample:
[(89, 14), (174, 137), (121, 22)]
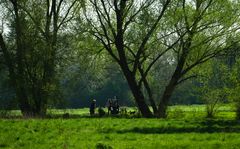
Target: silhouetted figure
[(115, 108), (109, 105), (92, 107)]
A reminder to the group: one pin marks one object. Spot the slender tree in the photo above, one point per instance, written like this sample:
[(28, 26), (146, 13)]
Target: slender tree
[(201, 39)]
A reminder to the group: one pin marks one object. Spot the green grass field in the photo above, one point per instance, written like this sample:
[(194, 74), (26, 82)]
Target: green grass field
[(186, 127)]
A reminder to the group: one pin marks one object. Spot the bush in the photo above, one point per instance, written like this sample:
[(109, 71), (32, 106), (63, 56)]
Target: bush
[(177, 113), (102, 146), (66, 115), (101, 112), (4, 113), (238, 111)]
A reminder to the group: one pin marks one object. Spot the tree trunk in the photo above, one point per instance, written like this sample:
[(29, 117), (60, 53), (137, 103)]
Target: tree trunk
[(20, 82), (162, 108), (138, 95), (150, 96), (40, 105), (149, 91), (19, 89)]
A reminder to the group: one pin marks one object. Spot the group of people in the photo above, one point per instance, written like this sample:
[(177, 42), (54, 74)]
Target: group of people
[(112, 106)]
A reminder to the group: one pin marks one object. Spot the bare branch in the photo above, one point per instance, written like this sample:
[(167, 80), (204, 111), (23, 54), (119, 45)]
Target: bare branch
[(187, 78), (104, 30), (148, 35), (67, 13), (108, 19), (132, 17), (155, 60), (34, 21)]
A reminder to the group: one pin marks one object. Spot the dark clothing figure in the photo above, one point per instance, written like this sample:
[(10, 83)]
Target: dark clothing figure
[(115, 108), (109, 105), (92, 107)]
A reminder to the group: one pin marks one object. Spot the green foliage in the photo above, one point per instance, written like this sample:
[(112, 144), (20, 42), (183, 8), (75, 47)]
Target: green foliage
[(234, 87), (212, 85), (219, 79)]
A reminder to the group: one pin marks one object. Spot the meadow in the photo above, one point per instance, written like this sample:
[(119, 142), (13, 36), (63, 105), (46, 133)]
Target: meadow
[(185, 127)]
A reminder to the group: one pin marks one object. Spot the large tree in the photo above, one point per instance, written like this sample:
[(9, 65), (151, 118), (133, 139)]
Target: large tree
[(32, 56), (119, 27), (138, 33)]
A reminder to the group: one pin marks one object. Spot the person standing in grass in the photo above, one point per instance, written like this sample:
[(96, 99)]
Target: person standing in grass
[(115, 106), (92, 107), (109, 105)]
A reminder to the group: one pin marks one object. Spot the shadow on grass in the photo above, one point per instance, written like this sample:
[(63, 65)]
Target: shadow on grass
[(68, 116), (200, 127), (171, 130)]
